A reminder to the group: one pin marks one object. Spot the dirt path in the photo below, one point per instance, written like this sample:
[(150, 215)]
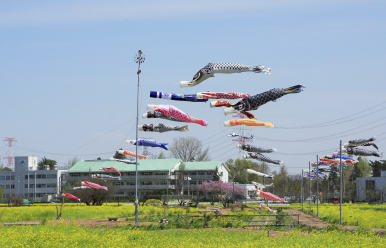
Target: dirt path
[(317, 223)]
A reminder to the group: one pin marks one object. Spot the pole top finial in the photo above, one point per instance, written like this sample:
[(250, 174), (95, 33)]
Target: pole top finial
[(139, 51)]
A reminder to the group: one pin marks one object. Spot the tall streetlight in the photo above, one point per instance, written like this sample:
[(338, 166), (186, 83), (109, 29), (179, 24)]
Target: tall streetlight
[(138, 59)]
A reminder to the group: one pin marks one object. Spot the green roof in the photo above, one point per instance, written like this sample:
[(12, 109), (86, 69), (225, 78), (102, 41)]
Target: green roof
[(201, 166), (144, 165)]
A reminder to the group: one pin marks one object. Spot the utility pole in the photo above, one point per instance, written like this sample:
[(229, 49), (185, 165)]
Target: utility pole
[(341, 174), (138, 59), (317, 185), (309, 180), (302, 191)]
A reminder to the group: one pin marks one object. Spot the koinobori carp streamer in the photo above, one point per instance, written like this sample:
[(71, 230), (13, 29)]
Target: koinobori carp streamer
[(174, 112), (210, 69), (161, 128)]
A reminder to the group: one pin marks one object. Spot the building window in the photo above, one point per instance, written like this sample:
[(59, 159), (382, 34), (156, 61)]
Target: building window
[(199, 182), (146, 173), (131, 173), (26, 177), (44, 176), (193, 173), (32, 185), (26, 186), (209, 173), (31, 176), (193, 182), (130, 183), (161, 173), (48, 176), (201, 173), (146, 183), (2, 177)]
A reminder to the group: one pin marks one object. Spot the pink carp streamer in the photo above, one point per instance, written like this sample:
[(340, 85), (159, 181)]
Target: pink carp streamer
[(111, 169), (268, 195), (93, 185), (133, 154), (172, 111), (71, 196), (221, 95), (267, 208), (246, 122)]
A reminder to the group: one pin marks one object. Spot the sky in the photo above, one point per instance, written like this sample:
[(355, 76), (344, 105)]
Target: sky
[(68, 80)]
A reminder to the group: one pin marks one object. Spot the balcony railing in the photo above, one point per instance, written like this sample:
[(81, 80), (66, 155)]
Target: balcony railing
[(146, 187)]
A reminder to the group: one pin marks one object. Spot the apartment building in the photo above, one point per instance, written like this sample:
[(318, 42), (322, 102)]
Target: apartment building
[(30, 182)]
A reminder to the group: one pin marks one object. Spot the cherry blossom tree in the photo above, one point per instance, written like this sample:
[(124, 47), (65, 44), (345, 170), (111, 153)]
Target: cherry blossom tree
[(213, 190)]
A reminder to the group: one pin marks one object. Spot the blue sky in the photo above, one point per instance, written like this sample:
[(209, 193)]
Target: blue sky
[(68, 77)]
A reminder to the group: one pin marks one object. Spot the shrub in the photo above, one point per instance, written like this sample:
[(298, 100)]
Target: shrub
[(153, 202)]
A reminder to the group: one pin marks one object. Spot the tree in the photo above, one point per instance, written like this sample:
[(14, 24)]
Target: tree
[(119, 156), (45, 161), (189, 149), (377, 167), (213, 189), (161, 155), (92, 196), (71, 162), (238, 170), (180, 178), (216, 176), (2, 168)]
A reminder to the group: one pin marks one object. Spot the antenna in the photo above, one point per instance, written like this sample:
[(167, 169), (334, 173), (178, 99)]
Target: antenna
[(10, 156)]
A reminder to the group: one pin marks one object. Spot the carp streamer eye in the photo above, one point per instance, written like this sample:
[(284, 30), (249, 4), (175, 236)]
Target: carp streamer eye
[(198, 75)]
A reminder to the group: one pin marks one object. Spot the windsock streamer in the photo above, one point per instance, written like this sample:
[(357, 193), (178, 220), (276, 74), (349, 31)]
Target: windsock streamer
[(262, 158), (111, 169), (126, 161), (71, 196), (267, 208), (210, 69), (81, 187), (177, 97), (268, 195), (238, 135), (155, 114), (246, 122), (251, 148), (359, 151), (359, 142), (259, 174), (221, 95), (261, 186), (132, 154), (161, 128), (93, 185), (254, 102), (151, 143), (172, 111), (103, 176)]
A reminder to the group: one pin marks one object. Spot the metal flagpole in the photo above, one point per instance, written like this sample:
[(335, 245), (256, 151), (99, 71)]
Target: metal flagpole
[(317, 185), (138, 59), (309, 180), (341, 174), (302, 191)]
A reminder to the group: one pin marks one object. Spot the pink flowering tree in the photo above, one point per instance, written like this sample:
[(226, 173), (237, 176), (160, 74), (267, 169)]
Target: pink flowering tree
[(213, 190)]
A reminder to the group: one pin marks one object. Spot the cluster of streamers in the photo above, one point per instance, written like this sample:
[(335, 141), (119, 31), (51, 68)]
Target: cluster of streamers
[(111, 169), (161, 128), (268, 208), (169, 110), (103, 176), (132, 154), (126, 161), (210, 69), (260, 174), (262, 158), (246, 122), (238, 135), (251, 148), (93, 185), (354, 147), (268, 195), (221, 95), (151, 143), (71, 196), (254, 102), (177, 97)]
